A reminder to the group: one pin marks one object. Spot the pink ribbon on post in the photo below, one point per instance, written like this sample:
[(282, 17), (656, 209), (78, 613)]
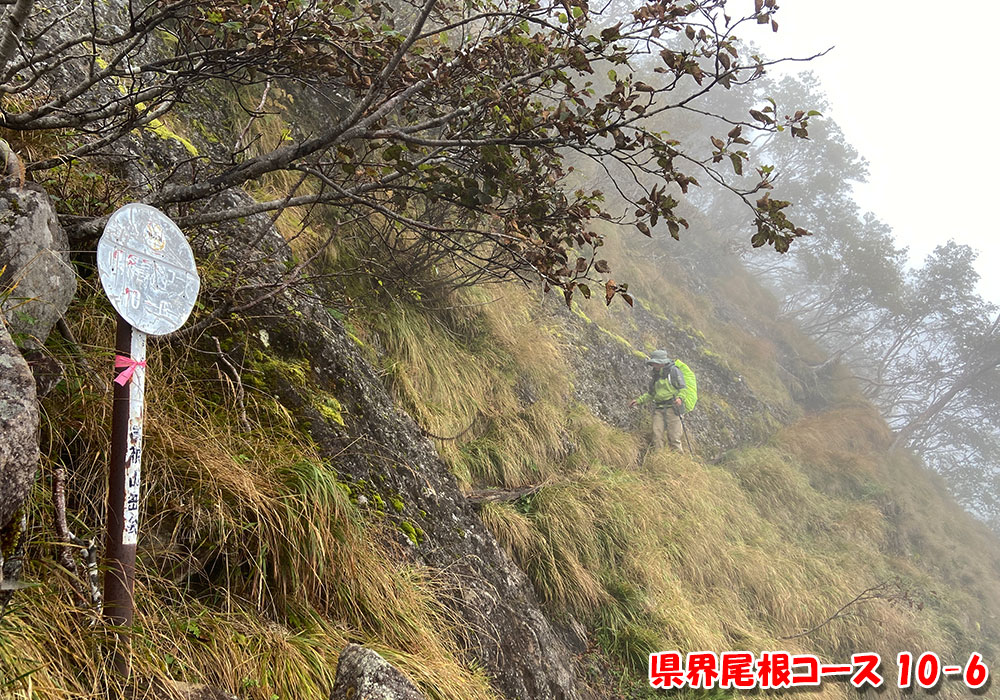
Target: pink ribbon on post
[(129, 365)]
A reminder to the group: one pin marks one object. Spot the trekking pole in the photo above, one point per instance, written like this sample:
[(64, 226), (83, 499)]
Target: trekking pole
[(686, 436), (684, 428)]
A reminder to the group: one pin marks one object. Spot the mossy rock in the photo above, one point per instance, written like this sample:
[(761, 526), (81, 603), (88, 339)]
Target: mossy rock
[(330, 408), (415, 534)]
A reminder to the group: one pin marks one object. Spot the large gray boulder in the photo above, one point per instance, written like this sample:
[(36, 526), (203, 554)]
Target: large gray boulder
[(38, 283), (18, 428), (364, 675)]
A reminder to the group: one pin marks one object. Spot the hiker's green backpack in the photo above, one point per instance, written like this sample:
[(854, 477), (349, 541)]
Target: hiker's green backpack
[(689, 394)]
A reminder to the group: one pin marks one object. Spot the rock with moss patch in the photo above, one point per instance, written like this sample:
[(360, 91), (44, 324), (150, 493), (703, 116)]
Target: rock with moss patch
[(415, 534), (364, 675), (38, 281)]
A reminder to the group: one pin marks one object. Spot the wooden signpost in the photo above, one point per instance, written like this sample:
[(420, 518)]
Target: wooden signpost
[(148, 271)]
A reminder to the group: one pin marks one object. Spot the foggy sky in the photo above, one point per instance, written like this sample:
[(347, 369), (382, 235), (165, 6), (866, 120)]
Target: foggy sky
[(909, 85)]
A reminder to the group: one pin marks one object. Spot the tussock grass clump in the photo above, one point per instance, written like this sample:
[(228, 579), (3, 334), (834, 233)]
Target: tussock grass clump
[(495, 378), (674, 554), (663, 552), (255, 569)]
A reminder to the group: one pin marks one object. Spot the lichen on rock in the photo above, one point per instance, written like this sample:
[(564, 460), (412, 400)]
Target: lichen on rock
[(363, 674), (37, 281)]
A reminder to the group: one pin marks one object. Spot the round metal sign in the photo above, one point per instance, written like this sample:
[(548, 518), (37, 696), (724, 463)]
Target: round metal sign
[(147, 269)]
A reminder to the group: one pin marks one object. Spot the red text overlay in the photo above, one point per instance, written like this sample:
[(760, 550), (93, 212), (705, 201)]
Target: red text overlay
[(780, 669)]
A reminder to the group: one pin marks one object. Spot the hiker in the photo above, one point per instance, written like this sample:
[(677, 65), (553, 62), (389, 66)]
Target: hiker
[(673, 391)]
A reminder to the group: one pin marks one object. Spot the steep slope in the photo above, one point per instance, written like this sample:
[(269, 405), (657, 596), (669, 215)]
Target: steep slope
[(386, 465), (292, 507), (803, 511)]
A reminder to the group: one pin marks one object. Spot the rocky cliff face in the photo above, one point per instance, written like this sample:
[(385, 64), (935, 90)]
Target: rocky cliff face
[(393, 469), (18, 428), (373, 447), (378, 451), (36, 286), (610, 370)]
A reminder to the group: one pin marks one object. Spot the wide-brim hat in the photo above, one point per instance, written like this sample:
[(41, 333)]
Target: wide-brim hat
[(659, 357)]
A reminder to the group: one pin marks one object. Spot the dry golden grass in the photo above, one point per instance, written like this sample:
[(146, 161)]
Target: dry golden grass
[(463, 366), (254, 567), (665, 552)]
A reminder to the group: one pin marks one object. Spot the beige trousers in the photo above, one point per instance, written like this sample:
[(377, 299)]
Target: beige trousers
[(665, 420)]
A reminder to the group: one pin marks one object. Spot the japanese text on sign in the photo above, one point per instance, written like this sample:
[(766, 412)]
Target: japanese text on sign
[(133, 451), (781, 669), (147, 269)]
